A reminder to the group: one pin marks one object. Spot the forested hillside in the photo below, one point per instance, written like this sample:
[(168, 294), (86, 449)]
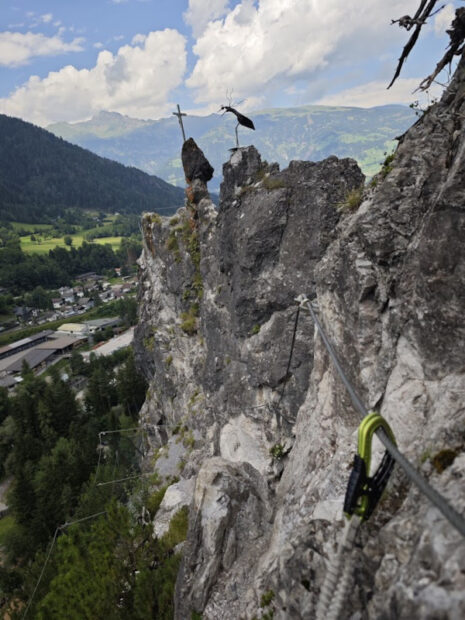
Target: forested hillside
[(62, 475), (42, 175)]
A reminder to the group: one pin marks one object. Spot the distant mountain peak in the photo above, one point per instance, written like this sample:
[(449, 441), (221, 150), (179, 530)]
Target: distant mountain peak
[(102, 114), (104, 124), (307, 132)]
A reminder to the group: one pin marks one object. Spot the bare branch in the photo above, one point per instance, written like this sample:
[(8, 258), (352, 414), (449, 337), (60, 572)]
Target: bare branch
[(420, 9), (456, 47), (408, 22), (423, 12)]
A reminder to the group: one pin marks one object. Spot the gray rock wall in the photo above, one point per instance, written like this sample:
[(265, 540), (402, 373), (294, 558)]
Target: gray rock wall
[(217, 317)]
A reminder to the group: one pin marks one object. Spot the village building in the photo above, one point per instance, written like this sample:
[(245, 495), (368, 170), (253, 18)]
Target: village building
[(107, 296), (38, 358), (98, 325), (10, 382), (25, 343), (84, 304), (89, 280), (48, 316), (67, 295), (61, 344), (74, 329), (34, 358)]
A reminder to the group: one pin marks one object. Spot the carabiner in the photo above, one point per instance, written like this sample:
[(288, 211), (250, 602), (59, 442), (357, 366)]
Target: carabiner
[(364, 492)]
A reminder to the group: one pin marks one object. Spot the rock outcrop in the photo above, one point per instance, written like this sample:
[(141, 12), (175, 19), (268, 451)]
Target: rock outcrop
[(195, 164), (265, 438)]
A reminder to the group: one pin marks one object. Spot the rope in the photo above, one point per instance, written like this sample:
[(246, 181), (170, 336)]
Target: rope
[(123, 430), (334, 612), (441, 503), (356, 400), (102, 484), (289, 361), (337, 580), (58, 529), (41, 572), (100, 451), (68, 523)]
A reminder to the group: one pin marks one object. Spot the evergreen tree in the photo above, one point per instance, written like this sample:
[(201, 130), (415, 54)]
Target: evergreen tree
[(101, 391), (77, 363), (131, 387), (56, 483)]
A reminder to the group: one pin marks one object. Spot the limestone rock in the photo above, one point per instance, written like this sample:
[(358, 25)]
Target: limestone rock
[(232, 513), (217, 292), (176, 496), (218, 308), (194, 162)]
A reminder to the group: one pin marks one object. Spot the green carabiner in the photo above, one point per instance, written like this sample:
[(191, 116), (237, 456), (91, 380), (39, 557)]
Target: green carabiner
[(363, 492)]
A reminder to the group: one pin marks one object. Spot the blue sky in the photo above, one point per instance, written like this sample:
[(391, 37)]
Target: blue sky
[(65, 60)]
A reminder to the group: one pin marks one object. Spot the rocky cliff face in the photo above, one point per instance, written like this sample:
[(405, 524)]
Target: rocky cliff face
[(262, 441)]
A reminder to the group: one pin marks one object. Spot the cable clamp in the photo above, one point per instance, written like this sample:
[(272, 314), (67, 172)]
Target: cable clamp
[(301, 299), (364, 492)]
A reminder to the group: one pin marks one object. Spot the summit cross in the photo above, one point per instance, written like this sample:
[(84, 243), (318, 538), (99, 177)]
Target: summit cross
[(180, 114)]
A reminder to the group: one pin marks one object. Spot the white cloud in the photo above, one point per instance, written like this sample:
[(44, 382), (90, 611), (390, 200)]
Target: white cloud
[(264, 46), (200, 12), (18, 48), (443, 19), (98, 45), (375, 93), (136, 81), (46, 18), (138, 39)]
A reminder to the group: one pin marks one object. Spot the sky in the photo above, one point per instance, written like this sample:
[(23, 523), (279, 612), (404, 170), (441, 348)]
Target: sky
[(66, 60)]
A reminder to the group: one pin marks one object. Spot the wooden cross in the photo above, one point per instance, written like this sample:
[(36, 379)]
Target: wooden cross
[(180, 114)]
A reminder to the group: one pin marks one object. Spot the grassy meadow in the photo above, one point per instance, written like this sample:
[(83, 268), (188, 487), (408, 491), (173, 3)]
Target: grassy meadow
[(42, 241), (43, 244)]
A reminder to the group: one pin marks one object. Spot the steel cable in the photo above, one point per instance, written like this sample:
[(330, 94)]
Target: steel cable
[(441, 503)]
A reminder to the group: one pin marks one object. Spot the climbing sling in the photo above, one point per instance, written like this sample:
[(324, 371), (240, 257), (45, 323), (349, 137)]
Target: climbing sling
[(362, 495)]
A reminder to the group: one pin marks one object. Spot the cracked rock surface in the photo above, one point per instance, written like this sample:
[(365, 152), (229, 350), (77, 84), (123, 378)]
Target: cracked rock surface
[(267, 450)]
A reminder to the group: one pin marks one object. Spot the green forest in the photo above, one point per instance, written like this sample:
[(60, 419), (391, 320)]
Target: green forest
[(42, 175), (76, 544)]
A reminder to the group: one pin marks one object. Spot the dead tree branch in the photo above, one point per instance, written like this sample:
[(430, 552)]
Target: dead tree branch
[(455, 48), (424, 11)]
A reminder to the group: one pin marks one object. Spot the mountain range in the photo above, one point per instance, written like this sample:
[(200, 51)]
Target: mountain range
[(282, 134), (41, 176)]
